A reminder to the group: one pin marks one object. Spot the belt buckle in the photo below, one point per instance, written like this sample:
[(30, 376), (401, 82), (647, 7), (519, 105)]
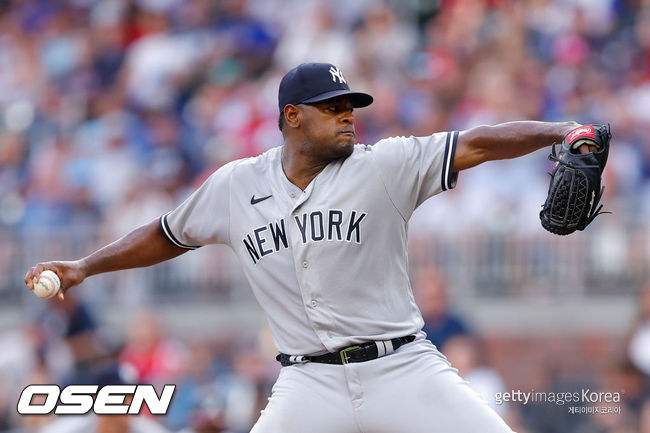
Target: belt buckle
[(344, 354)]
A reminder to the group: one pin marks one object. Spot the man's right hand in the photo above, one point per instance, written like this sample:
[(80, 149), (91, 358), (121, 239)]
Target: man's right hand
[(70, 273)]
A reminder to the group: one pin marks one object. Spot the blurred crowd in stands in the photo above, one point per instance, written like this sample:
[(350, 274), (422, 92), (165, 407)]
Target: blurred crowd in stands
[(112, 111)]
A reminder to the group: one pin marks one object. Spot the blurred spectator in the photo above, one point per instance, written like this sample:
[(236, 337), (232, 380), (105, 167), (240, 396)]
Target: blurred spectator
[(69, 342), (440, 323), (155, 357), (222, 386), (198, 370), (639, 339), (466, 355), (644, 419), (623, 376), (5, 411)]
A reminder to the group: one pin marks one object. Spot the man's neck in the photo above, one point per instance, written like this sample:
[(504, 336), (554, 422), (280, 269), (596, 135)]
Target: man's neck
[(299, 168)]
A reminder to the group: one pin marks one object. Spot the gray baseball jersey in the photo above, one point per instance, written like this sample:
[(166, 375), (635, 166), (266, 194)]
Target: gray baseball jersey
[(328, 264)]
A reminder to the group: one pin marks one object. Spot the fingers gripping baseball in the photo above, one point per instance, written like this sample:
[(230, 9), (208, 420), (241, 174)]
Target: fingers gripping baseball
[(586, 148), (70, 274)]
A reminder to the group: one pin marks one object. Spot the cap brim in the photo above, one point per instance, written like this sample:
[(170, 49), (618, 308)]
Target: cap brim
[(358, 99)]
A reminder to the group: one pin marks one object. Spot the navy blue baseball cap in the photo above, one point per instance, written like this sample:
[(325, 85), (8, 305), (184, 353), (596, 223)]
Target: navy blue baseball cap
[(314, 82)]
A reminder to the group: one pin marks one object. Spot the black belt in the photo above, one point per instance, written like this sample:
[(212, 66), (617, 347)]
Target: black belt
[(357, 353)]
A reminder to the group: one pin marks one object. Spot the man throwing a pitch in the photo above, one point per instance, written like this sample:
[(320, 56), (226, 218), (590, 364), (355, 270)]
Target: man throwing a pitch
[(320, 228)]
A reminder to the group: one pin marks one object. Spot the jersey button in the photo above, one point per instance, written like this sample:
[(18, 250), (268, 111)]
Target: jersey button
[(314, 303), (305, 265), (292, 194)]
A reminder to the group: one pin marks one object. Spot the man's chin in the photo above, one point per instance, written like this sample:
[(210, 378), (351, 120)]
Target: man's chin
[(342, 149), (347, 148)]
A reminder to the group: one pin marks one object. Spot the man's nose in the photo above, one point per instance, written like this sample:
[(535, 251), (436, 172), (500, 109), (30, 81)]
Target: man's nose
[(348, 117)]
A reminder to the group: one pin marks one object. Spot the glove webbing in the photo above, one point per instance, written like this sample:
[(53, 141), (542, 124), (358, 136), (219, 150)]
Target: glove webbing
[(598, 211)]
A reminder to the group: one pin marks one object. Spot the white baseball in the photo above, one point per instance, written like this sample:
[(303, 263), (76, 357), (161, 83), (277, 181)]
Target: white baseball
[(48, 285)]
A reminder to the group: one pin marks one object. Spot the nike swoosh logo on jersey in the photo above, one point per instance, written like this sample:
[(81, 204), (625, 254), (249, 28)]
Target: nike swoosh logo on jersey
[(257, 200)]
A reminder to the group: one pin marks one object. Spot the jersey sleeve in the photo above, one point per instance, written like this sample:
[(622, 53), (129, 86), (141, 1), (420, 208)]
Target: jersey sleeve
[(416, 168), (204, 217)]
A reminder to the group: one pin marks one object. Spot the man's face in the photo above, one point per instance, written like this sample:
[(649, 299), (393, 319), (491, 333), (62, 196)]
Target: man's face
[(329, 128)]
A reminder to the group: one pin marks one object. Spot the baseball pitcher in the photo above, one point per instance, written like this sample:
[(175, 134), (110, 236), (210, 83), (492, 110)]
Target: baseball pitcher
[(319, 225)]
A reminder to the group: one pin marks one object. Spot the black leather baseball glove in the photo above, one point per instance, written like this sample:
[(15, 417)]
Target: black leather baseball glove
[(575, 190)]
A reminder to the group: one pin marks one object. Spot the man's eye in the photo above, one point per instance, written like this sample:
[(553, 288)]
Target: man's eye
[(332, 108)]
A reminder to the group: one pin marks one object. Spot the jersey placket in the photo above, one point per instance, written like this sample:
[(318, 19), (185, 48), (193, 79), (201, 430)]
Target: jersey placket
[(305, 265)]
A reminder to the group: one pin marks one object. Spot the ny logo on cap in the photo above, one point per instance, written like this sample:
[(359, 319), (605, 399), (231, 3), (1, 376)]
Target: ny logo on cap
[(336, 73)]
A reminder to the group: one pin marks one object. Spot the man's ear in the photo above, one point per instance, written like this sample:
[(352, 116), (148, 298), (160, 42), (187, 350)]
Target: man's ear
[(292, 116)]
